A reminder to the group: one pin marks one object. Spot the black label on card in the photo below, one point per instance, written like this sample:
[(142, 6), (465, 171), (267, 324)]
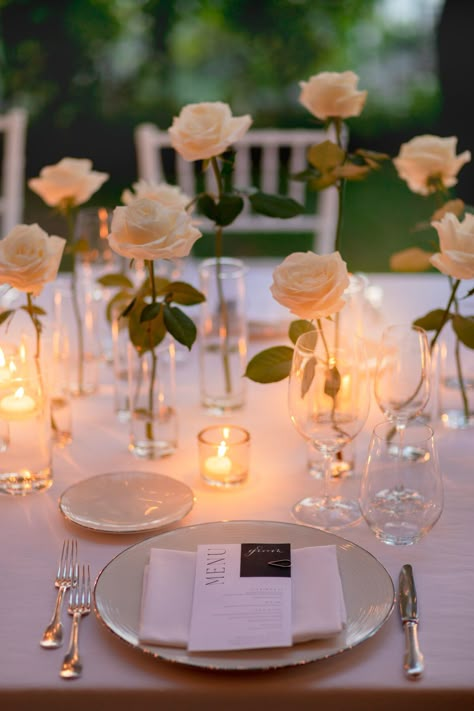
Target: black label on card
[(265, 560)]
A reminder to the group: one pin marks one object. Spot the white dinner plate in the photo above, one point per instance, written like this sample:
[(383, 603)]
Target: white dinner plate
[(368, 592), (126, 502)]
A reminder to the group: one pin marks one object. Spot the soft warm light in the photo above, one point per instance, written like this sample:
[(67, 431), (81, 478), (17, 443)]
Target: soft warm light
[(22, 353), (103, 222), (18, 404), (222, 449), (219, 466), (5, 372), (2, 358)]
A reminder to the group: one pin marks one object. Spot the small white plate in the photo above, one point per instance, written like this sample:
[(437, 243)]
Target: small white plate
[(368, 593), (126, 502)]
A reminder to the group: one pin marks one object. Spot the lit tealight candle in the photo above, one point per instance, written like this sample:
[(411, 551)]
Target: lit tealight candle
[(219, 465), (18, 404)]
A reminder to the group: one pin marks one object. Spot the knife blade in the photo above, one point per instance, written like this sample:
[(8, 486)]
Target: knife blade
[(413, 661)]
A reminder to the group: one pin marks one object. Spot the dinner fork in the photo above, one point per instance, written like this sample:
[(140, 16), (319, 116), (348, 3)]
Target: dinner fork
[(65, 578), (79, 606)]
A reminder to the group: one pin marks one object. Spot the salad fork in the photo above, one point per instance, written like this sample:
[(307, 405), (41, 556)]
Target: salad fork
[(65, 578), (79, 606)]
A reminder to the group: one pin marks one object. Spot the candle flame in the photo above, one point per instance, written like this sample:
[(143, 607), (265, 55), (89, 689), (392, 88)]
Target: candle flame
[(12, 367), (222, 449), (226, 432), (2, 358), (19, 393), (23, 353)]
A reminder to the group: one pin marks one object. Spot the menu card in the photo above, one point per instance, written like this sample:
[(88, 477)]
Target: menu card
[(242, 597)]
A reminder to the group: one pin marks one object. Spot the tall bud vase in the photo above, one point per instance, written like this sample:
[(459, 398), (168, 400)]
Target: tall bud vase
[(222, 335)]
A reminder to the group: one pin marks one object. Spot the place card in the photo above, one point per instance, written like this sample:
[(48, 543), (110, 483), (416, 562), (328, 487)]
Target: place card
[(242, 597)]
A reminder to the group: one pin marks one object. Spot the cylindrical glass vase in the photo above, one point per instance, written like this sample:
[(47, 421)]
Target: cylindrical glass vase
[(25, 432), (453, 365), (152, 387), (75, 314), (222, 335)]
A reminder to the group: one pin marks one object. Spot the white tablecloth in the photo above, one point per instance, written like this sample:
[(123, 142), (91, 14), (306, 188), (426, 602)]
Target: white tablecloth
[(116, 676)]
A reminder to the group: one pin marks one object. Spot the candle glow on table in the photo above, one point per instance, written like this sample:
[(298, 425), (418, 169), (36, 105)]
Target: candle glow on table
[(17, 404), (220, 465)]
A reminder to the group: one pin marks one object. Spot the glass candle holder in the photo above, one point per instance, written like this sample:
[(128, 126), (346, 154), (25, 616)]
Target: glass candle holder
[(224, 452), (25, 434)]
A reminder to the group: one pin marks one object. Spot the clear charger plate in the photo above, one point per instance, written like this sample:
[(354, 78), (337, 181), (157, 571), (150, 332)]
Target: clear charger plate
[(368, 592), (126, 502)]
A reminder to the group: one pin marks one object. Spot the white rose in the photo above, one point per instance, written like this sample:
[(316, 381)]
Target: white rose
[(167, 195), (332, 95), (456, 241), (426, 160), (206, 130), (72, 181), (311, 285), (29, 258), (145, 229)]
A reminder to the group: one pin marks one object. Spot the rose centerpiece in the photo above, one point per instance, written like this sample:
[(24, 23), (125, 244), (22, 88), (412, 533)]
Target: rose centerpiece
[(206, 132), (149, 230), (64, 186), (429, 165)]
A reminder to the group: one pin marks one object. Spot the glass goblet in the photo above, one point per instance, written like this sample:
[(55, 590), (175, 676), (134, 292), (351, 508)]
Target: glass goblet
[(402, 376), (401, 500), (328, 399)]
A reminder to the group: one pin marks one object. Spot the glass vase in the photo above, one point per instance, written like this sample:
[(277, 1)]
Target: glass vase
[(222, 335), (75, 315), (25, 431), (453, 364), (152, 387)]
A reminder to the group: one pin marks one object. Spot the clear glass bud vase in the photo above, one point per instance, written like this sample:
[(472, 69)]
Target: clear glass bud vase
[(152, 387), (222, 335), (454, 382)]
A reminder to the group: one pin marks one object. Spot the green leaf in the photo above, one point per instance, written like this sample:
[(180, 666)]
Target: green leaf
[(179, 325), (464, 329), (275, 205), (182, 293), (128, 308), (324, 181), (6, 314), (271, 365), (34, 309), (120, 299), (145, 335), (150, 311), (431, 321), (119, 280), (208, 207), (298, 327), (308, 375), (305, 175), (469, 293), (326, 156), (332, 383), (370, 156), (228, 208)]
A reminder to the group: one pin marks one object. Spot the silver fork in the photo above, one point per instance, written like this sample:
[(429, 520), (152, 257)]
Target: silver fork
[(53, 634), (79, 606)]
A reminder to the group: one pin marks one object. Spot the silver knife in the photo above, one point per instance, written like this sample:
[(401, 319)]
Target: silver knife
[(413, 662)]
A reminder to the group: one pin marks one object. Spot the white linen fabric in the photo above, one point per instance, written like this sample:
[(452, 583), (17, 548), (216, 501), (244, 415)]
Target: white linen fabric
[(318, 608)]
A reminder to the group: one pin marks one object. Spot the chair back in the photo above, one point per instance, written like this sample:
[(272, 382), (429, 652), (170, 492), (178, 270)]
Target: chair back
[(265, 158), (12, 189)]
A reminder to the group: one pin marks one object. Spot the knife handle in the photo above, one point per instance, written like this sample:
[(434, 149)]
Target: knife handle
[(413, 662)]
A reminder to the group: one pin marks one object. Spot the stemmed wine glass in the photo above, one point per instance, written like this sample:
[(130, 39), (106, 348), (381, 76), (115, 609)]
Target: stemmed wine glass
[(402, 376), (328, 402)]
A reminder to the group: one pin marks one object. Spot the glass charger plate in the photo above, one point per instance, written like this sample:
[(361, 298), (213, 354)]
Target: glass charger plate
[(368, 591), (126, 502)]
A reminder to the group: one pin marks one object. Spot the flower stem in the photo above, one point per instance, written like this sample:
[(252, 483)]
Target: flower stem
[(223, 314), (37, 325), (341, 189), (149, 424), (445, 315), (457, 356)]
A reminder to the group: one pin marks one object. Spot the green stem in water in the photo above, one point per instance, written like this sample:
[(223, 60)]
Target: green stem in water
[(457, 356), (76, 308), (37, 325), (154, 359), (223, 313)]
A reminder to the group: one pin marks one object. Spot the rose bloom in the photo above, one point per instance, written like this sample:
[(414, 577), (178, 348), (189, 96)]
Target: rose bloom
[(29, 258), (206, 130), (165, 194), (145, 229), (456, 241), (428, 158), (332, 95), (72, 180), (311, 285)]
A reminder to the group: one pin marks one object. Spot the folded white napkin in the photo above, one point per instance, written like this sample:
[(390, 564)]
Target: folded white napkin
[(318, 609)]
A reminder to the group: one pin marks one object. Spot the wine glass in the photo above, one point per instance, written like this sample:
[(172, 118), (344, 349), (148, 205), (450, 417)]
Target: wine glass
[(328, 400), (402, 376), (402, 503)]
